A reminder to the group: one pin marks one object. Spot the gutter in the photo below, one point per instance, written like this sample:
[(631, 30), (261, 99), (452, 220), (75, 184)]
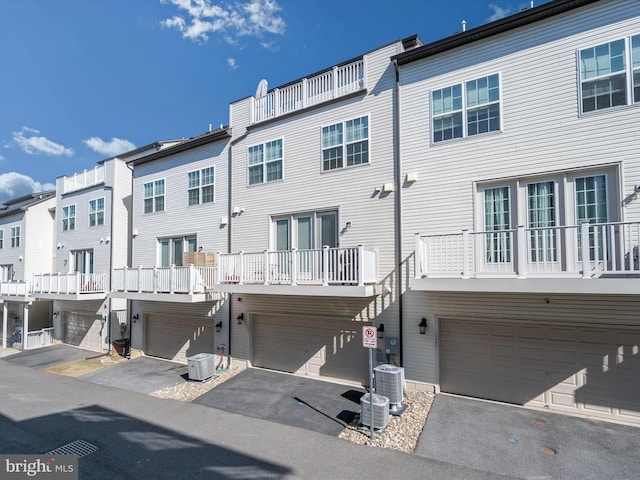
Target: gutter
[(398, 205)]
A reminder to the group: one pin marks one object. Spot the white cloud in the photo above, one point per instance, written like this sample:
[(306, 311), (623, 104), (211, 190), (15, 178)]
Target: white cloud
[(251, 18), (113, 147), (498, 12), (14, 185), (32, 143), (231, 63)]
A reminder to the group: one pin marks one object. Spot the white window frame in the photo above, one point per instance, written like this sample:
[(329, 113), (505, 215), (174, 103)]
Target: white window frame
[(155, 196), (88, 261), (316, 218), (1, 238), (464, 110), (69, 217), (629, 70), (263, 163), (199, 187), (94, 212), (15, 236), (186, 240), (342, 145), (6, 272)]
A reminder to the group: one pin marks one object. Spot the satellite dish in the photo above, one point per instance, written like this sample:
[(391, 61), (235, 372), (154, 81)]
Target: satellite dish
[(261, 91)]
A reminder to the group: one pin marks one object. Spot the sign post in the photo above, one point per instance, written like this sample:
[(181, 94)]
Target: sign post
[(370, 341)]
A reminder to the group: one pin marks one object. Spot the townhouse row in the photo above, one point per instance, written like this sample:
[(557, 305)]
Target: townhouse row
[(474, 199)]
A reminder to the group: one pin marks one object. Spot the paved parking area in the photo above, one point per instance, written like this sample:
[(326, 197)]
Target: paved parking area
[(287, 399), (509, 440), (48, 356)]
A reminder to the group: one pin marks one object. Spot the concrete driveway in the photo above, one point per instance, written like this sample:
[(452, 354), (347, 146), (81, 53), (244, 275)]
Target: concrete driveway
[(287, 399), (513, 441)]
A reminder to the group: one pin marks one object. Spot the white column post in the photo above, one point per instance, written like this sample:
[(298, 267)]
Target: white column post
[(265, 267), (241, 266), (294, 266), (584, 249), (5, 313), (325, 265), (521, 250), (465, 253), (360, 264)]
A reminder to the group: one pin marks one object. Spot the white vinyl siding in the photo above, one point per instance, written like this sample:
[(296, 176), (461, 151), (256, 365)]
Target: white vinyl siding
[(348, 140), (15, 237), (96, 212), (459, 112), (201, 186), (69, 217), (154, 196), (609, 74), (265, 162)]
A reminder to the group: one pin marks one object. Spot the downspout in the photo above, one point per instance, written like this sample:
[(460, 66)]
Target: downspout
[(110, 267), (398, 205), (130, 260), (229, 229)]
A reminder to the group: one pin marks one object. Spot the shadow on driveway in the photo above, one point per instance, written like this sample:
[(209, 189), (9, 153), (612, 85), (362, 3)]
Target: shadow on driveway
[(288, 399), (525, 443)]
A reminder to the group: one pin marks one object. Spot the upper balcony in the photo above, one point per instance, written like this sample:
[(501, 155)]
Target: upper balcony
[(16, 291), (342, 272), (86, 179), (169, 284), (69, 286), (586, 258), (328, 85)]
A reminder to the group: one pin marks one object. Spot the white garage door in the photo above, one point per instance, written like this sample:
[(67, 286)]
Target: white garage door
[(177, 338), (82, 329), (580, 370), (311, 347)]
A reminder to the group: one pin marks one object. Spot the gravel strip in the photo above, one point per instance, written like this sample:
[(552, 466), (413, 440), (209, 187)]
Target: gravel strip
[(400, 434)]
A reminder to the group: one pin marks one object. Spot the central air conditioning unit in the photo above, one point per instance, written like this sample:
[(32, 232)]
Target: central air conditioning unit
[(380, 411), (390, 383), (201, 366)]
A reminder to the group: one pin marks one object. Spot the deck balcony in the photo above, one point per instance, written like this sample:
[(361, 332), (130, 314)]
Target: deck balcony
[(70, 286), (86, 179), (169, 284), (324, 272), (336, 82), (17, 291), (587, 258)]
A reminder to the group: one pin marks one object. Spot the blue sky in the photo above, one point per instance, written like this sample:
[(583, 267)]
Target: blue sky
[(84, 80)]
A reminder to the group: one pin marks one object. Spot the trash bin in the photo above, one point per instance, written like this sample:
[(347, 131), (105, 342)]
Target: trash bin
[(121, 347)]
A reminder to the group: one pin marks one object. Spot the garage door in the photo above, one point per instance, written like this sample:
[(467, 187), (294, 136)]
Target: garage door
[(82, 329), (311, 347), (176, 338), (580, 370)]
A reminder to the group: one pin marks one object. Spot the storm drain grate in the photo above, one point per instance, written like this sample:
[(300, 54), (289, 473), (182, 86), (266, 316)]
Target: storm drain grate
[(79, 447)]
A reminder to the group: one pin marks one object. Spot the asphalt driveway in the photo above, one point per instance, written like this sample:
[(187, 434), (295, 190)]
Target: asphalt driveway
[(525, 443), (48, 356), (311, 404)]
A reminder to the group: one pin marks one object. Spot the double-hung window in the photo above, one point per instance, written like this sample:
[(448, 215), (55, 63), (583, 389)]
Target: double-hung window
[(96, 212), (265, 162), (154, 196), (15, 236), (201, 186), (466, 109), (345, 144), (610, 74), (69, 217), (1, 238)]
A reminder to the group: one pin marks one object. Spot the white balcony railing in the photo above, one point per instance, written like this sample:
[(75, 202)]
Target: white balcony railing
[(69, 283), (39, 338), (88, 178), (15, 289), (189, 279), (586, 250), (334, 83), (325, 266)]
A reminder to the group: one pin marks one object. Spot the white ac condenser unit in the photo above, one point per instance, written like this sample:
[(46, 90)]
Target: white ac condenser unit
[(390, 383), (380, 411), (201, 366)]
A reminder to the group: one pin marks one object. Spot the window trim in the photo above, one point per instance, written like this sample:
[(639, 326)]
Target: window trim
[(316, 229), (345, 144), (264, 162), (67, 217), (15, 238), (96, 212), (465, 109), (201, 186), (171, 239), (153, 197), (1, 238)]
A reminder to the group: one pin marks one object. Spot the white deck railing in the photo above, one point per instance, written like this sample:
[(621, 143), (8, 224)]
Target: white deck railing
[(334, 83), (69, 283), (586, 250), (326, 266), (39, 338), (15, 289), (82, 180), (189, 279)]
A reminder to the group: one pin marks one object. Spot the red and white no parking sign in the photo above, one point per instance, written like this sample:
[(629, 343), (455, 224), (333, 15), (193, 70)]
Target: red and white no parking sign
[(369, 337)]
